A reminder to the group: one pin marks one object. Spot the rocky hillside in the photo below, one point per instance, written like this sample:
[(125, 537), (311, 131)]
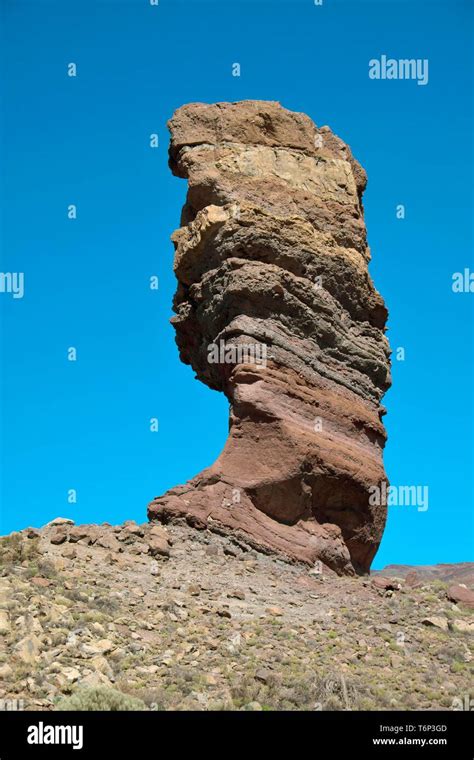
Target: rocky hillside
[(144, 617), (459, 572)]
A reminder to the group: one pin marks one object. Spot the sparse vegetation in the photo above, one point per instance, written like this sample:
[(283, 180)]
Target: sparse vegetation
[(123, 638), (100, 698)]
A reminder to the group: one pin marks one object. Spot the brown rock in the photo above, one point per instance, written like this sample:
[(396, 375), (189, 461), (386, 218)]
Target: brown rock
[(32, 533), (69, 552), (436, 621), (386, 584), (79, 532), (412, 579), (5, 671), (101, 647), (138, 547), (134, 529), (59, 535), (264, 676), (275, 611), (464, 626), (158, 546), (108, 541), (61, 521), (41, 582), (28, 649), (462, 595), (236, 594), (157, 531), (396, 661), (275, 307), (5, 625)]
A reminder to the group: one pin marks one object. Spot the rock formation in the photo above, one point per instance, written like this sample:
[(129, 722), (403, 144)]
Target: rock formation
[(275, 307)]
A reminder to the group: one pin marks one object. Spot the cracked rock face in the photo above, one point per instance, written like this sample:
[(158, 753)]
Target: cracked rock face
[(275, 308)]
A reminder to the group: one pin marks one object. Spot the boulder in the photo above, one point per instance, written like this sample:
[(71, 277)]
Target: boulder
[(461, 594)]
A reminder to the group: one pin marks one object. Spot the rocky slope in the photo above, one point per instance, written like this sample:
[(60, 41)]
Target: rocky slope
[(458, 572), (142, 617), (275, 307)]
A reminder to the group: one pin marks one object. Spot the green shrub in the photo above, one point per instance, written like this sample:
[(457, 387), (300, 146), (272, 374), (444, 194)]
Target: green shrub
[(15, 549), (100, 698)]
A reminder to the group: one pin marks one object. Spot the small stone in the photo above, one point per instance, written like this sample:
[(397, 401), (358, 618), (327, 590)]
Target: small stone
[(275, 611), (32, 533), (133, 529), (79, 533), (61, 521), (236, 594), (69, 552), (234, 643), (108, 541), (100, 664), (194, 589), (95, 679), (71, 674), (436, 622), (28, 649), (463, 626), (253, 707), (41, 582), (264, 676), (97, 628), (386, 584), (4, 623), (158, 546), (98, 647), (5, 671), (158, 531), (59, 535), (396, 661), (138, 547)]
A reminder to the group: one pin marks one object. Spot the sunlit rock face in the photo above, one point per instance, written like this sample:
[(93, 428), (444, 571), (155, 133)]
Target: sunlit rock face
[(275, 308)]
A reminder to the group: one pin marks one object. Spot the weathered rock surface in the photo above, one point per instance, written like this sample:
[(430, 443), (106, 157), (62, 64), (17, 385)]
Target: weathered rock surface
[(272, 268)]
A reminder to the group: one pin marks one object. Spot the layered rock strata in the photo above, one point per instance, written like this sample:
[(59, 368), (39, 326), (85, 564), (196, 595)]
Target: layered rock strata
[(275, 308)]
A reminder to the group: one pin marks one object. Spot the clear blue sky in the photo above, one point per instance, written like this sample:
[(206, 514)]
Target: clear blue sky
[(85, 141)]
